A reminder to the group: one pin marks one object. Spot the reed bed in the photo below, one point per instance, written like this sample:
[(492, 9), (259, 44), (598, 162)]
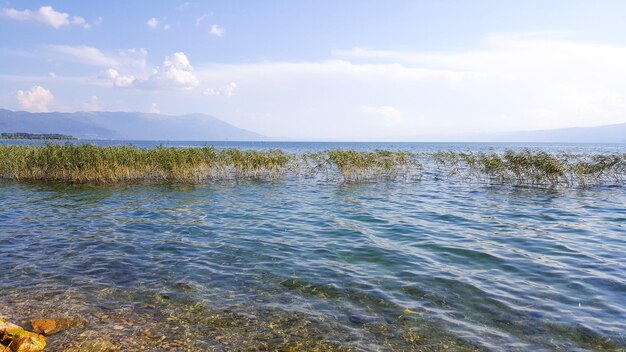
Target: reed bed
[(536, 169), (94, 164), (360, 166)]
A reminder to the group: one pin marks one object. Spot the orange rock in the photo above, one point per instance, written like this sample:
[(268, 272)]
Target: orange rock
[(20, 340), (9, 329), (29, 342), (49, 326)]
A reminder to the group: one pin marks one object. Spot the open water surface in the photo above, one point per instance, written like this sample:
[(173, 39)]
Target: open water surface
[(304, 265)]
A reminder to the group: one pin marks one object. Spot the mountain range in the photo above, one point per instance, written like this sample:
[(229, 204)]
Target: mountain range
[(200, 127), (615, 133), (125, 126), (598, 134)]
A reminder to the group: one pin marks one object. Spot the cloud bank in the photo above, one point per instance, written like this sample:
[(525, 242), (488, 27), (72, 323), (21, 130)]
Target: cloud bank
[(224, 91), (175, 72), (37, 99), (507, 81), (46, 15), (91, 56)]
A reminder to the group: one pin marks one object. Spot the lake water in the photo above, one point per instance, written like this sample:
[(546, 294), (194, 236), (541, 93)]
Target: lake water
[(302, 265)]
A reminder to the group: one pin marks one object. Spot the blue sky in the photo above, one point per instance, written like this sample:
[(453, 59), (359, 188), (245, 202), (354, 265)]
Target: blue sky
[(323, 69)]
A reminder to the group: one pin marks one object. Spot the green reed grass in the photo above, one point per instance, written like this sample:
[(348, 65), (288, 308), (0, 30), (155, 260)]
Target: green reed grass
[(535, 168), (379, 164), (95, 164)]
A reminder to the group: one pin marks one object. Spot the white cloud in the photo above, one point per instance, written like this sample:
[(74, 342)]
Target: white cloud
[(175, 72), (92, 105), (83, 54), (46, 15), (332, 69), (388, 113), (184, 5), (217, 30), (131, 57), (154, 109), (224, 91), (92, 56), (124, 81), (37, 99), (203, 17), (116, 79), (505, 82), (152, 23), (519, 81), (80, 21), (52, 75), (531, 80)]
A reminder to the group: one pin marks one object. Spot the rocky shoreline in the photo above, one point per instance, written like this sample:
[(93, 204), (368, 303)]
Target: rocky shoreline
[(15, 338)]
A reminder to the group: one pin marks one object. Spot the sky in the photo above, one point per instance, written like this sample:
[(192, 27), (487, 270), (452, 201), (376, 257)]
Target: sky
[(324, 69)]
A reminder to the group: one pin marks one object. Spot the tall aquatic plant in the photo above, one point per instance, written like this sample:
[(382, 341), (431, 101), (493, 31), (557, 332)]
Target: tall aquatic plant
[(532, 168), (379, 164), (94, 164), (89, 163)]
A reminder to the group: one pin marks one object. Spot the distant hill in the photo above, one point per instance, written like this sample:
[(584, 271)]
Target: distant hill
[(599, 134), (125, 125)]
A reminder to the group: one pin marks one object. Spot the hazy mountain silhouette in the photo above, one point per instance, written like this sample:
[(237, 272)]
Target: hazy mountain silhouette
[(125, 125), (200, 127), (598, 134)]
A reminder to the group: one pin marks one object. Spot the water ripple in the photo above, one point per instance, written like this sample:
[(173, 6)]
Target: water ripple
[(406, 266)]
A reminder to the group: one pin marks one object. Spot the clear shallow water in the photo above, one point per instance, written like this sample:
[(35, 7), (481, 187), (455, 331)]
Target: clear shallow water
[(429, 265)]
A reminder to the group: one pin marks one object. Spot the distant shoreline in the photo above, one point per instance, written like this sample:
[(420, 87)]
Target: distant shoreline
[(36, 136)]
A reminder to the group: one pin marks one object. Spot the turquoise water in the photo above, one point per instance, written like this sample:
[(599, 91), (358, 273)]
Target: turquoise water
[(255, 265)]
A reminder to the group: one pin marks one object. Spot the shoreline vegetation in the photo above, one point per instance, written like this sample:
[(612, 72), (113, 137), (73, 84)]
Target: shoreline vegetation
[(107, 165), (37, 136)]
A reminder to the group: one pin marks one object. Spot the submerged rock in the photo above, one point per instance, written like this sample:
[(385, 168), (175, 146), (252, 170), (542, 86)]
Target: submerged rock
[(49, 326), (19, 340), (95, 343)]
